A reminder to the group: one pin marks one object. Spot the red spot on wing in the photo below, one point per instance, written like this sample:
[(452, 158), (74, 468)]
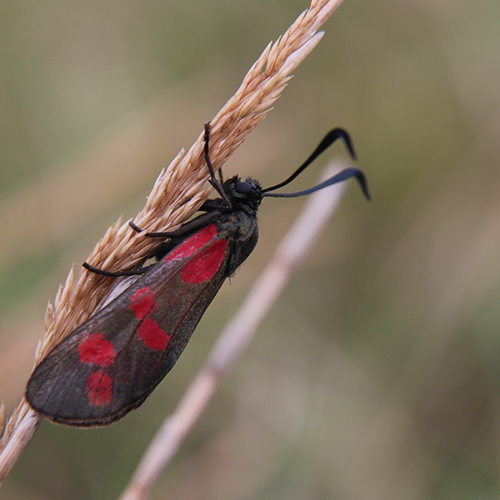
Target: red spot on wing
[(96, 350), (190, 245), (99, 388), (143, 302), (203, 267), (152, 335)]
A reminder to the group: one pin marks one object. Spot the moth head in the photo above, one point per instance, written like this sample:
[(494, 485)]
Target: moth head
[(243, 193)]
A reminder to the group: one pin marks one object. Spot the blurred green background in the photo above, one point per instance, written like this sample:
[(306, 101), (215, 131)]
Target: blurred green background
[(376, 376)]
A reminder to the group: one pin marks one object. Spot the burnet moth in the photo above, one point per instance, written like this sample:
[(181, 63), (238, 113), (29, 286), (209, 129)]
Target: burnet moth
[(111, 363)]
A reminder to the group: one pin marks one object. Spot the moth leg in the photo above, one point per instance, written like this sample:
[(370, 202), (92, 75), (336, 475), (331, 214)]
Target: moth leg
[(217, 185), (189, 226), (211, 205), (112, 274), (163, 234), (136, 228)]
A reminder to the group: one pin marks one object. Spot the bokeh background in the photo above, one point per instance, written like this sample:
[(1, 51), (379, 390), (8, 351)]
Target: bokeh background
[(376, 376)]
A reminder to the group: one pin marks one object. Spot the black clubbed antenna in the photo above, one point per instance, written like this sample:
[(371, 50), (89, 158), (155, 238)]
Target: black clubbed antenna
[(328, 140), (340, 177)]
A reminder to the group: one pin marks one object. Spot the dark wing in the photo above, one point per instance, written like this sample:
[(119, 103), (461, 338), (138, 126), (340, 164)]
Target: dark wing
[(110, 364)]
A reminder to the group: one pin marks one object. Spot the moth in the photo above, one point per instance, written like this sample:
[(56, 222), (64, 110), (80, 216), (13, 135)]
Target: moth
[(110, 364)]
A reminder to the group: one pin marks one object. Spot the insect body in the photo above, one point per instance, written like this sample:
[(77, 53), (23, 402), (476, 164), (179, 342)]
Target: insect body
[(110, 364)]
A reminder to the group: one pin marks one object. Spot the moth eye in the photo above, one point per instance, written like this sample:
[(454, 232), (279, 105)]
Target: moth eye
[(243, 188)]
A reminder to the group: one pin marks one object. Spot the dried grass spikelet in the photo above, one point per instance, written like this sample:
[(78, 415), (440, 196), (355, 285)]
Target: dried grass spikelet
[(181, 188)]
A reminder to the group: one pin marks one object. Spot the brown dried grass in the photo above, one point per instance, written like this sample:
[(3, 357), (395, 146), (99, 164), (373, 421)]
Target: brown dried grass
[(177, 194)]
